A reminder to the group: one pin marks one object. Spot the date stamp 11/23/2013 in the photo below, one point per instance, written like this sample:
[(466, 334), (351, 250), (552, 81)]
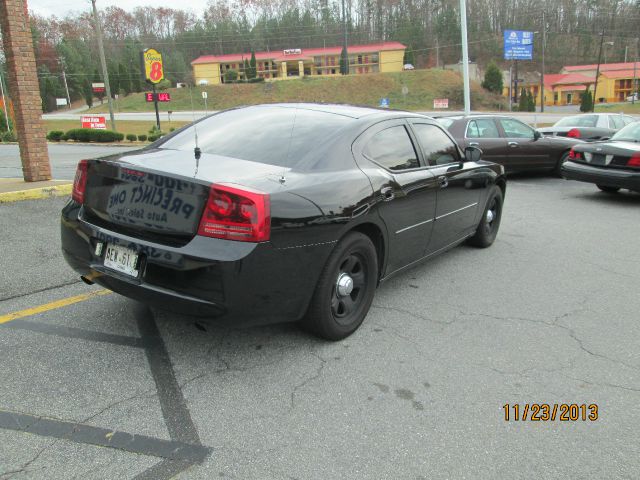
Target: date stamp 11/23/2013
[(550, 412)]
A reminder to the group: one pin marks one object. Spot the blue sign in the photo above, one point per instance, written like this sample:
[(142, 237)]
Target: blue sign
[(518, 45), (384, 102)]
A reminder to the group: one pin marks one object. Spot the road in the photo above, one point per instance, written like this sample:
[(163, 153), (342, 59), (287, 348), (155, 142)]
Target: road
[(529, 117), (63, 157), (548, 314)]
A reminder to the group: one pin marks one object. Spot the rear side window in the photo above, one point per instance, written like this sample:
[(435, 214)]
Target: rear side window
[(482, 128), (578, 121), (438, 148), (280, 136), (616, 121), (392, 148)]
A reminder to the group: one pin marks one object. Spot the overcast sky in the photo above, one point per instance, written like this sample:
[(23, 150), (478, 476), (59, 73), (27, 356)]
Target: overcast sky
[(61, 8)]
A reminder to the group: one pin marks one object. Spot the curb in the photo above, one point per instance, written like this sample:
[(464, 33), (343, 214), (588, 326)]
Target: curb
[(36, 193)]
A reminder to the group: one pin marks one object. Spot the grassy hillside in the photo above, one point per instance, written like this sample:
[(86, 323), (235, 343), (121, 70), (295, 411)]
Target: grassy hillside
[(422, 87)]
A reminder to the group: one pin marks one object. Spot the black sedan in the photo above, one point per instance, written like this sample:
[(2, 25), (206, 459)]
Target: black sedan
[(611, 165), (278, 213), (589, 126), (509, 142)]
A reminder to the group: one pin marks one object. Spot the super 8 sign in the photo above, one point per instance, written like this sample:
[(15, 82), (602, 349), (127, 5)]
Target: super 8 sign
[(153, 67)]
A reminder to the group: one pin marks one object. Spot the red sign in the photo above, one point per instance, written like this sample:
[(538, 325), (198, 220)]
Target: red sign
[(97, 123), (162, 97), (97, 87), (440, 103)]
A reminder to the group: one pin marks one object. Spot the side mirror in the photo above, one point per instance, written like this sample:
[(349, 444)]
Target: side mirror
[(536, 135), (472, 154)]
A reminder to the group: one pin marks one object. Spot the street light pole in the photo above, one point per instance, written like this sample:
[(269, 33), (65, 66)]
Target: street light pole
[(634, 92), (465, 57), (595, 87), (103, 63)]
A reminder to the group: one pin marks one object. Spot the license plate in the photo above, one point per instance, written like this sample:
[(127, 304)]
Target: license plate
[(122, 259)]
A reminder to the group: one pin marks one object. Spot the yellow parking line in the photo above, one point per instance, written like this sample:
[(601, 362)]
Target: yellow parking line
[(52, 306)]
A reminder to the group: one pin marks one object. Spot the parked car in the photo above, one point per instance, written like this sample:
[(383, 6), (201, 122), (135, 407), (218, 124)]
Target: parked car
[(588, 126), (509, 142), (611, 165), (279, 213), (633, 98)]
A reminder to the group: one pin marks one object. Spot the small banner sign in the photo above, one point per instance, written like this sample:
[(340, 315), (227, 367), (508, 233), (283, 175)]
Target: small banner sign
[(152, 65), (440, 103), (96, 123), (97, 87)]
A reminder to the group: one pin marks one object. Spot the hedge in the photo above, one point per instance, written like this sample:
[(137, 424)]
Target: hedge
[(142, 138), (55, 135), (132, 137), (89, 135)]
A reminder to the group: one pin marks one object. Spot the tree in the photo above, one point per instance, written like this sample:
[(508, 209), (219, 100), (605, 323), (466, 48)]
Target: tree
[(531, 103), (87, 92), (523, 104), (4, 123), (586, 102), (230, 76), (253, 73), (493, 79), (409, 57), (125, 80), (344, 61)]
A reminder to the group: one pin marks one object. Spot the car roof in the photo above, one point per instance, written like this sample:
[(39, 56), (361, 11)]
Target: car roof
[(353, 111)]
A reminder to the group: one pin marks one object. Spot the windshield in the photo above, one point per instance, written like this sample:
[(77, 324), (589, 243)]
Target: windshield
[(630, 133), (282, 136), (578, 121)]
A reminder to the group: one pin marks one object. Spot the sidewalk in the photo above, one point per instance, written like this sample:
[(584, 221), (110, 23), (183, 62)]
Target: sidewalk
[(16, 189)]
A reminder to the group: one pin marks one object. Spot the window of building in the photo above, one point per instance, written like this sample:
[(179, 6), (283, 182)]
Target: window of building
[(392, 148), (359, 59), (438, 148), (374, 58)]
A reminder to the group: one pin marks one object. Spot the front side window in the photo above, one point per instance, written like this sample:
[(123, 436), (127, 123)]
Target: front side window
[(482, 128), (515, 129), (438, 148), (392, 148)]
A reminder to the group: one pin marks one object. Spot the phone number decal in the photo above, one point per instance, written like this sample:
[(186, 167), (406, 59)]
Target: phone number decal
[(545, 412)]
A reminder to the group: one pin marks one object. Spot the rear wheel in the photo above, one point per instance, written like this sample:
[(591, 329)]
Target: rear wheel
[(604, 188), (345, 289), (561, 161), (490, 221)]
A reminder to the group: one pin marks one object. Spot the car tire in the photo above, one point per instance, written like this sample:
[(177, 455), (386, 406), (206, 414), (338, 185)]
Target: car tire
[(604, 188), (558, 169), (345, 289), (490, 222)]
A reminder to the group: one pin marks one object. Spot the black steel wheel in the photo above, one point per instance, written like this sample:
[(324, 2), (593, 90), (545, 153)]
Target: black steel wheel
[(604, 188), (345, 289), (490, 222)]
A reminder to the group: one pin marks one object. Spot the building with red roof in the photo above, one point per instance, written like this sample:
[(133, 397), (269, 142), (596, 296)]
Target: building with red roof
[(298, 62)]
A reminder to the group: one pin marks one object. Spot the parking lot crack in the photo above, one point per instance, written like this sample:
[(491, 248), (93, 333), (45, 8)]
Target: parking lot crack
[(412, 314), (308, 380), (41, 290), (118, 402)]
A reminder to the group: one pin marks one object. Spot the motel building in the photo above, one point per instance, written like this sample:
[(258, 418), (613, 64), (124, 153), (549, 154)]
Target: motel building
[(298, 62), (615, 83)]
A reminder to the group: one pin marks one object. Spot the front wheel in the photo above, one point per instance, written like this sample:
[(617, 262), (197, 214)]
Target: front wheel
[(604, 188), (345, 289), (490, 221)]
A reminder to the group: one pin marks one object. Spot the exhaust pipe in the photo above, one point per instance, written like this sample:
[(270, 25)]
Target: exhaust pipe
[(86, 280)]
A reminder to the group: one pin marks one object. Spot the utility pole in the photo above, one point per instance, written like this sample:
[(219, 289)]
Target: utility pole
[(66, 87), (4, 104), (345, 40), (595, 87), (103, 62), (465, 57), (544, 40)]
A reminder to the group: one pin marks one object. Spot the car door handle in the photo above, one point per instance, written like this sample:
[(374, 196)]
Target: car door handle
[(513, 144), (474, 144), (387, 194), (443, 181)]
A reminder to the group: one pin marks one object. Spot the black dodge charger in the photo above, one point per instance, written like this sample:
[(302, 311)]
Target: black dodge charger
[(611, 165), (278, 213)]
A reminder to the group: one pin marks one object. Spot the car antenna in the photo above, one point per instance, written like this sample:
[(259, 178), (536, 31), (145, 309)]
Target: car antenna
[(196, 151)]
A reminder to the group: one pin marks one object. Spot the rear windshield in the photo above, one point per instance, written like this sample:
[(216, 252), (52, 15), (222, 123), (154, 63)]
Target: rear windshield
[(578, 121), (282, 136), (445, 122), (630, 133)]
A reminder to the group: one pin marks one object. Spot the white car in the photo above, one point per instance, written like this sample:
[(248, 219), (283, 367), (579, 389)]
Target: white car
[(632, 98), (408, 66)]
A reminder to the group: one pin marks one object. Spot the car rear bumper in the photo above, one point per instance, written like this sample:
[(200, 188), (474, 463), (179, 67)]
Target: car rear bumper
[(241, 283), (608, 177)]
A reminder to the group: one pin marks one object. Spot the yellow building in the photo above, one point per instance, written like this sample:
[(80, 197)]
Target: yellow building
[(615, 83), (297, 62)]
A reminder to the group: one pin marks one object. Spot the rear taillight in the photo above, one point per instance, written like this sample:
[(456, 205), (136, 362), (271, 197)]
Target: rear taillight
[(573, 133), (80, 182), (236, 213), (573, 155), (634, 161)]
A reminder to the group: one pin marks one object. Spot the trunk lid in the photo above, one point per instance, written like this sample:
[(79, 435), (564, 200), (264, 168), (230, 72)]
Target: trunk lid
[(159, 195)]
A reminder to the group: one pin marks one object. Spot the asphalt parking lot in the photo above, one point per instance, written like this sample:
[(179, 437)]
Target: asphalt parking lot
[(98, 386)]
